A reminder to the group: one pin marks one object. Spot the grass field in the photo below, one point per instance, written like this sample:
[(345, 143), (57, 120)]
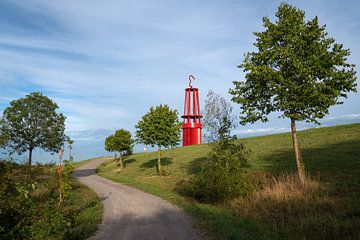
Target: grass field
[(329, 209)]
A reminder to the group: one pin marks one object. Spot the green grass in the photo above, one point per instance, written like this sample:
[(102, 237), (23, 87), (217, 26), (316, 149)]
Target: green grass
[(86, 210), (331, 155)]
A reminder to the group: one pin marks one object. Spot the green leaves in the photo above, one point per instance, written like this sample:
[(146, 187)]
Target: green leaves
[(297, 70), (32, 122), (160, 127), (120, 141)]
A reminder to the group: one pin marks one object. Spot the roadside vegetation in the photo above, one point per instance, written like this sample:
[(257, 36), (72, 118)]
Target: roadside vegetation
[(31, 210), (280, 207), (41, 201)]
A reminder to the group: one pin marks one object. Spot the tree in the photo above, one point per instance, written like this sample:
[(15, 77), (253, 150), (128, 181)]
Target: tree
[(298, 71), (217, 111), (110, 145), (159, 127), (121, 142), (32, 122)]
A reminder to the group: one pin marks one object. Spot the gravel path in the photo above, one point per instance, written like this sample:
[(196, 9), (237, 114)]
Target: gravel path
[(132, 214)]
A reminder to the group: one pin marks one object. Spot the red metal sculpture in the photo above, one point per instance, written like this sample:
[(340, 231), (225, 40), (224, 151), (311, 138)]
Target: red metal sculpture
[(191, 125)]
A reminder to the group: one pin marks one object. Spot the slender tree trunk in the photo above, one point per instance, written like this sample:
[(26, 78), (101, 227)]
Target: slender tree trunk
[(121, 160), (158, 165), (30, 161), (299, 164)]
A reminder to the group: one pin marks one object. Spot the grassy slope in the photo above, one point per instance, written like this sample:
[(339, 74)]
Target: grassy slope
[(330, 153)]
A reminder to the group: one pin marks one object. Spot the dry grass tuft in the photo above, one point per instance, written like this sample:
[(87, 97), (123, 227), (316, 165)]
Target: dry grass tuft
[(298, 211), (287, 187)]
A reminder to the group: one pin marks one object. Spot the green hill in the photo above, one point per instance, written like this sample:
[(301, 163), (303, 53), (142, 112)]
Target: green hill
[(332, 210)]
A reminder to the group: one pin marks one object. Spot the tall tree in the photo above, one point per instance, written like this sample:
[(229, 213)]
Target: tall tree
[(159, 127), (297, 70), (218, 112), (32, 122)]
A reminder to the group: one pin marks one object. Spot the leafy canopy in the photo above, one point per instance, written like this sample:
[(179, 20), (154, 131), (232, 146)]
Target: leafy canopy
[(120, 141), (110, 144), (160, 127), (33, 122), (298, 70)]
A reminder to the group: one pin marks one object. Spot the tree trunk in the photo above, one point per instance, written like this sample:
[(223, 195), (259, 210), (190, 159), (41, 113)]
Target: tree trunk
[(30, 161), (158, 165), (121, 160), (299, 164)]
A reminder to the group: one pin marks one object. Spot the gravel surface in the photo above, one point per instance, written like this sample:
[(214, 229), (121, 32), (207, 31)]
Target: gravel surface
[(132, 214)]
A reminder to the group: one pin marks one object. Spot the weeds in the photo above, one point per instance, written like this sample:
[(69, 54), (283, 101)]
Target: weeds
[(29, 210)]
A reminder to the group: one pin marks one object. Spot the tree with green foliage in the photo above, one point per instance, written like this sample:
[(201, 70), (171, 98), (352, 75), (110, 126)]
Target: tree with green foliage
[(109, 144), (120, 142), (123, 144), (159, 127), (32, 122), (297, 70), (217, 109)]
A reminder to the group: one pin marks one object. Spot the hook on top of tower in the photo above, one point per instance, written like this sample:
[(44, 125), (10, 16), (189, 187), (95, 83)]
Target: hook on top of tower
[(191, 78)]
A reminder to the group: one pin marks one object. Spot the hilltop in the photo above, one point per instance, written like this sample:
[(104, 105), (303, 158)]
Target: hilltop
[(331, 156)]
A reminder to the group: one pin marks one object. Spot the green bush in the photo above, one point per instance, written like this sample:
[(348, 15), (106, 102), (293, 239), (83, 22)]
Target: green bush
[(223, 177), (15, 205), (30, 210)]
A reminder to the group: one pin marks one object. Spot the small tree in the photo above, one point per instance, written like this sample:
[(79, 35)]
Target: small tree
[(32, 122), (217, 109), (159, 127), (123, 143), (110, 145), (297, 70)]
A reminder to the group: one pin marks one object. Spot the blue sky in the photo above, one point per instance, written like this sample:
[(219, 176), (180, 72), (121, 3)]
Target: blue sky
[(106, 62)]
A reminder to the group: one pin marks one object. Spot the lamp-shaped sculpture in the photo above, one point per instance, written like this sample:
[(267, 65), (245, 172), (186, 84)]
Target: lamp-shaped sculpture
[(191, 124)]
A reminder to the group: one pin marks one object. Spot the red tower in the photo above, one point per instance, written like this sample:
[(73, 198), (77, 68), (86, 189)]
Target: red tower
[(191, 125)]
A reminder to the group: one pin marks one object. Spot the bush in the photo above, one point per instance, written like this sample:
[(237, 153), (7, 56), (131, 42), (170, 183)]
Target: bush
[(14, 203), (223, 177), (30, 210)]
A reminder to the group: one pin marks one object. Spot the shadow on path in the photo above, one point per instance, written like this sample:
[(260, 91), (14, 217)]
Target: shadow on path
[(84, 172)]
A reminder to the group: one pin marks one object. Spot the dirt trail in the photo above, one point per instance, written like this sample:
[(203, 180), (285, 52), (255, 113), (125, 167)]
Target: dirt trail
[(132, 214)]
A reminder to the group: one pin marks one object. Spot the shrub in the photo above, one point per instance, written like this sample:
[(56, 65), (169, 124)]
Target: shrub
[(223, 177)]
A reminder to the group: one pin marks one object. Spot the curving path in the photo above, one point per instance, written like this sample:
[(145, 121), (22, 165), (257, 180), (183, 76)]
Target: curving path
[(132, 214)]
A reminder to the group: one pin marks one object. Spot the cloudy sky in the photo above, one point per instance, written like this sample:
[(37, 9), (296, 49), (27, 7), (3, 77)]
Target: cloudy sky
[(106, 62)]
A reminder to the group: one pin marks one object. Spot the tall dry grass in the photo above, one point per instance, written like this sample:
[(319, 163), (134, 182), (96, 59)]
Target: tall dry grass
[(295, 211)]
